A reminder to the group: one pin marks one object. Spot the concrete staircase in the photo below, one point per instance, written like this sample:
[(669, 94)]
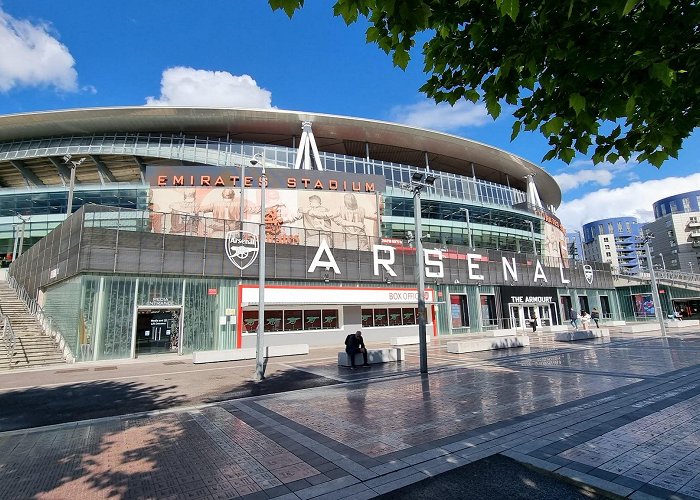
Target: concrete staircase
[(32, 346)]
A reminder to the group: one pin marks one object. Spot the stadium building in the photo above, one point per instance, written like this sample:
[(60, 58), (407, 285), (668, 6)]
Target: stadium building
[(162, 249)]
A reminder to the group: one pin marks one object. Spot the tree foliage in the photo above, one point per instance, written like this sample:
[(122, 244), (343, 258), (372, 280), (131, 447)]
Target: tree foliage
[(618, 77)]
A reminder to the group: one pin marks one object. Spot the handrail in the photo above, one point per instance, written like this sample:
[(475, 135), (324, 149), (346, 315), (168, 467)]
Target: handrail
[(46, 322), (8, 335)]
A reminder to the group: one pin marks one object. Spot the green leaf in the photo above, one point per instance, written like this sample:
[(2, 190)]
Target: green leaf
[(567, 154), (401, 57), (663, 73), (516, 130), (629, 5), (657, 158), (577, 102), (553, 126), (549, 155), (373, 34), (289, 6), (509, 8), (493, 108)]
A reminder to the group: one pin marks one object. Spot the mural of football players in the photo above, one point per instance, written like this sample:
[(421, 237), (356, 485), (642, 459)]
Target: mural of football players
[(225, 212), (183, 218), (351, 219), (317, 221)]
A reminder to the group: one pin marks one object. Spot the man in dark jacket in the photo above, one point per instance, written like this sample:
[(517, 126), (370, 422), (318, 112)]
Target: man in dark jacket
[(354, 344)]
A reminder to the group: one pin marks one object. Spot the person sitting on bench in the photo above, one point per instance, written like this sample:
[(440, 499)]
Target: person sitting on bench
[(354, 344)]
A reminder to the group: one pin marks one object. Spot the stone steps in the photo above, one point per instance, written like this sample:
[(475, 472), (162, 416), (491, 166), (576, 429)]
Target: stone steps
[(32, 346)]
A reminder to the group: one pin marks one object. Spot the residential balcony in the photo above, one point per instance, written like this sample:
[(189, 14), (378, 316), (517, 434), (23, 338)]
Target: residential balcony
[(693, 224), (695, 234)]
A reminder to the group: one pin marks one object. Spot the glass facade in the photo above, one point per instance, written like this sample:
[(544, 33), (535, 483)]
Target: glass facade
[(494, 223)]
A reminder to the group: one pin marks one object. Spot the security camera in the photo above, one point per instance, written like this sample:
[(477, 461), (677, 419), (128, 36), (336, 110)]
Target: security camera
[(254, 162)]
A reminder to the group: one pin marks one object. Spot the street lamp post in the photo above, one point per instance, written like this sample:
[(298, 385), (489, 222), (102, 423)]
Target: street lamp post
[(583, 250), (663, 261), (19, 236), (259, 346), (654, 287), (241, 213), (469, 226), (691, 267), (532, 233), (74, 164), (418, 182)]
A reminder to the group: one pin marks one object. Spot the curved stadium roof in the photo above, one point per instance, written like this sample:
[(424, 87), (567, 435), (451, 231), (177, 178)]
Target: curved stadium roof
[(334, 134)]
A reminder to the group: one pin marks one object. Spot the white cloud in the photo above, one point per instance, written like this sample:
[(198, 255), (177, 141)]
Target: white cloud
[(427, 114), (633, 200), (568, 181), (582, 172), (182, 86), (31, 56)]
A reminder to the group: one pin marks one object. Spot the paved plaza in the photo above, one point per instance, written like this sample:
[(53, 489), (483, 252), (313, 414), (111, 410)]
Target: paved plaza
[(618, 418)]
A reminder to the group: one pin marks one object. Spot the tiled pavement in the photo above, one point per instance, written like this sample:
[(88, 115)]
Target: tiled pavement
[(621, 416)]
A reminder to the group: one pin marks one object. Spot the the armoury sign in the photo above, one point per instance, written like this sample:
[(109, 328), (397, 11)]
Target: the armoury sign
[(277, 178)]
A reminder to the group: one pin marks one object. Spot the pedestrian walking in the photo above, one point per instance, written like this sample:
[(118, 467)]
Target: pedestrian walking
[(595, 316), (573, 318)]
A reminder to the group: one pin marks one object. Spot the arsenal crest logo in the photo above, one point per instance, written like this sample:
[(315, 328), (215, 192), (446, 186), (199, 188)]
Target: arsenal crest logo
[(242, 248), (588, 273)]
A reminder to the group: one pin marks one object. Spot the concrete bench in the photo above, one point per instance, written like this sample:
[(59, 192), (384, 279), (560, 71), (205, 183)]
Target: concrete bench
[(552, 328), (581, 335), (640, 328), (686, 323), (374, 356), (271, 351), (500, 332), (487, 344), (409, 340)]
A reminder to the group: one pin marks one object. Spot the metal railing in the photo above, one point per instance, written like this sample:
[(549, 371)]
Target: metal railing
[(8, 335), (46, 322)]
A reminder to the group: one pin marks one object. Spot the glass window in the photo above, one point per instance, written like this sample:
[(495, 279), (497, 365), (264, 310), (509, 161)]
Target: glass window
[(459, 312), (312, 319), (293, 320), (488, 310), (409, 316), (381, 317), (674, 207), (686, 204), (330, 319), (273, 321), (395, 317), (367, 318), (250, 321)]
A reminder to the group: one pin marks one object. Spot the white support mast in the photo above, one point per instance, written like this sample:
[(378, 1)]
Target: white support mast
[(307, 146)]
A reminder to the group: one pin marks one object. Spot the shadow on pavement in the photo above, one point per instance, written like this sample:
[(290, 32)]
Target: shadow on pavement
[(285, 380), (491, 478), (41, 406)]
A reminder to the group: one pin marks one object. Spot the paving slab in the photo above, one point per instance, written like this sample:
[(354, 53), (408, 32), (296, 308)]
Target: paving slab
[(620, 418)]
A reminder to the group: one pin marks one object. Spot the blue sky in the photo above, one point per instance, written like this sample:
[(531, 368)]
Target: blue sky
[(77, 54)]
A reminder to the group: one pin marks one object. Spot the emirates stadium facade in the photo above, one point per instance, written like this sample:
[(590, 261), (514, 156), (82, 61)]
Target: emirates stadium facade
[(162, 248)]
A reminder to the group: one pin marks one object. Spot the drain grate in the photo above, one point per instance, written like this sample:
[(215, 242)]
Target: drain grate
[(169, 363), (105, 368), (72, 370)]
